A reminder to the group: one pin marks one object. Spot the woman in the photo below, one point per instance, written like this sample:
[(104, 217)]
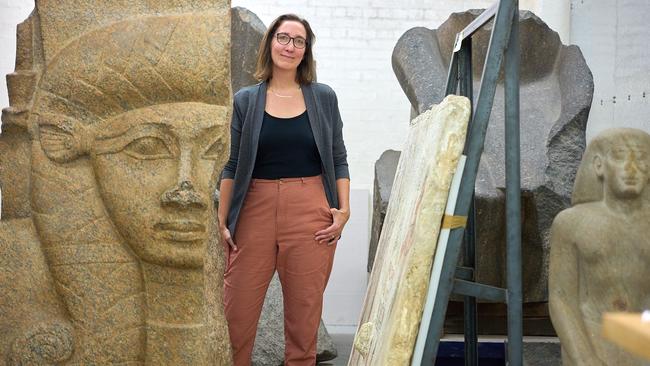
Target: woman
[(284, 193)]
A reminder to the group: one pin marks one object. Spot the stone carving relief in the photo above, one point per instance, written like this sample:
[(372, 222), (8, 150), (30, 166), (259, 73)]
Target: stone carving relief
[(397, 288), (600, 247), (120, 112)]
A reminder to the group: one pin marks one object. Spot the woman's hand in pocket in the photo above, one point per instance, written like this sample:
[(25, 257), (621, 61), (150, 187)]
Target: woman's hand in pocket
[(227, 238), (331, 234)]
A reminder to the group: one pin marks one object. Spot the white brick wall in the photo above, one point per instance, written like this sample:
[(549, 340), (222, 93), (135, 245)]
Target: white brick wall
[(12, 12), (355, 40), (613, 37), (354, 43)]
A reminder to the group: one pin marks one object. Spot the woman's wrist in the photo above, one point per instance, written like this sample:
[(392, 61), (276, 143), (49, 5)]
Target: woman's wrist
[(222, 224)]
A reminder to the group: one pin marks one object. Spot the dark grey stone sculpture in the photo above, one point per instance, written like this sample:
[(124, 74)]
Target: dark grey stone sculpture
[(385, 169), (556, 93), (247, 31)]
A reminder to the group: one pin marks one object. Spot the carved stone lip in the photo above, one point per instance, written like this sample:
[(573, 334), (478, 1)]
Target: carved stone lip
[(181, 230)]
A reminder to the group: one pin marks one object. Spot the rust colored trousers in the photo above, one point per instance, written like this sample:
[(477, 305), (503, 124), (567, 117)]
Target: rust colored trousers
[(275, 231)]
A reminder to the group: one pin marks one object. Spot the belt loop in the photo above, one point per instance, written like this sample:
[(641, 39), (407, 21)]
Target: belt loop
[(253, 183), (302, 179)]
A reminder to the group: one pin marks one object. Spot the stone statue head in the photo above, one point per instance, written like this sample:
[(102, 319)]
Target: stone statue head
[(129, 123), (615, 163), (127, 106), (134, 118)]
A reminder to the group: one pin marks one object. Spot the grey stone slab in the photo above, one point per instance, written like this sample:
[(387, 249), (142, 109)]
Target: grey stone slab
[(247, 31), (385, 169)]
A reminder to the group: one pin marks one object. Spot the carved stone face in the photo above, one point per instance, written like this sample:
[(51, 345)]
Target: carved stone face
[(156, 168), (625, 168)]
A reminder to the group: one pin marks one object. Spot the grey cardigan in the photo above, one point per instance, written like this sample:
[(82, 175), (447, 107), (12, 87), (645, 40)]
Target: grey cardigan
[(248, 112)]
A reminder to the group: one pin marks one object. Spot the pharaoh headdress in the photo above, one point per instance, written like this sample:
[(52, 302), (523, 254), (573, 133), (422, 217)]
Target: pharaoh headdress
[(81, 63), (589, 187)]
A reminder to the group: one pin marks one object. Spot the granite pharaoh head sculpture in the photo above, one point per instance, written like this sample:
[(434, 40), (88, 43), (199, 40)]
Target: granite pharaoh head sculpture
[(151, 125), (129, 123)]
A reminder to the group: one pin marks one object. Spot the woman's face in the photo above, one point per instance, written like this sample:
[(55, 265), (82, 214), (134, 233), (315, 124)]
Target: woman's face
[(156, 169), (288, 56)]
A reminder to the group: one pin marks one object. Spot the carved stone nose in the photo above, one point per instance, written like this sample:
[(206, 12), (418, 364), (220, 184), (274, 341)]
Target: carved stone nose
[(183, 196), (631, 165)]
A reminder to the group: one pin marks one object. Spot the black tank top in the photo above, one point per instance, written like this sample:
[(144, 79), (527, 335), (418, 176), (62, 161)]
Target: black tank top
[(286, 149)]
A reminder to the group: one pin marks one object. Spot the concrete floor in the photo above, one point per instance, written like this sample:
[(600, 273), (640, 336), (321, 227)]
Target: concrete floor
[(538, 351), (343, 344)]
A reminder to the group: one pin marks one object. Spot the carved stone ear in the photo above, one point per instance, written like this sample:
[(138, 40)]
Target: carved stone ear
[(598, 165), (63, 139)]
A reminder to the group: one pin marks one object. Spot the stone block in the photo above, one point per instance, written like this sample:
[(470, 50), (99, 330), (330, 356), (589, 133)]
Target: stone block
[(542, 353), (117, 130), (247, 32)]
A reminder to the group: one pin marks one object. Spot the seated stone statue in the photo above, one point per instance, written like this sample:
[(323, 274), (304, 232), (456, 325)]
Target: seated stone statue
[(600, 248)]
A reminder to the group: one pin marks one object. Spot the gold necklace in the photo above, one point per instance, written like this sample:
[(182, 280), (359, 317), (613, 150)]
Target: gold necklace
[(280, 95)]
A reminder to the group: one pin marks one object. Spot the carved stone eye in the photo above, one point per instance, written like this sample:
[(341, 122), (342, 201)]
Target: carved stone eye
[(148, 148), (215, 151)]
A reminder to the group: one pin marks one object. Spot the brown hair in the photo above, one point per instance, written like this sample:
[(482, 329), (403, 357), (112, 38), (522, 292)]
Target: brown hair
[(306, 72)]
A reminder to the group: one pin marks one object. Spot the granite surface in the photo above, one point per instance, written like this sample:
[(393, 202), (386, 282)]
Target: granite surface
[(556, 89), (117, 129)]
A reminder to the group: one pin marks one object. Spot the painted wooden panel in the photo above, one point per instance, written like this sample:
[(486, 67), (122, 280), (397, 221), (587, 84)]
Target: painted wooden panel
[(400, 276)]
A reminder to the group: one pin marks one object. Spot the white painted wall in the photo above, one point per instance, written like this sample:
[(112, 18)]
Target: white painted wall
[(12, 12), (613, 36), (556, 13), (354, 43)]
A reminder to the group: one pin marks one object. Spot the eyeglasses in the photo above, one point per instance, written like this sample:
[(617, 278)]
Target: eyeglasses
[(284, 39)]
